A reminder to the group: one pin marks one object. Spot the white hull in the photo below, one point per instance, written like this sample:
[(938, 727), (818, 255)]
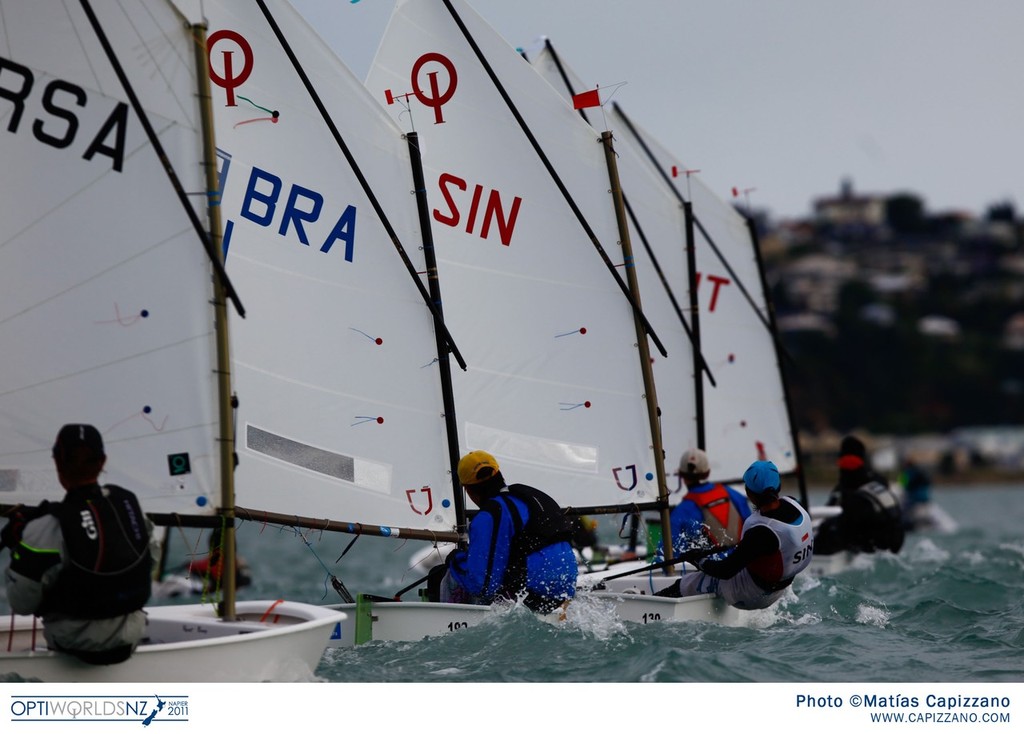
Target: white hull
[(270, 641), (630, 598), (634, 601), (647, 609), (405, 621), (929, 517), (174, 587), (830, 565)]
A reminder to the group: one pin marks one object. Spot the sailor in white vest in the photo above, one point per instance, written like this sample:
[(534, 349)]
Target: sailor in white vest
[(775, 545)]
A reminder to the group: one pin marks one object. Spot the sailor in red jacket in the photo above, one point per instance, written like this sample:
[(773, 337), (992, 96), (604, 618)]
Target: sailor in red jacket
[(710, 514)]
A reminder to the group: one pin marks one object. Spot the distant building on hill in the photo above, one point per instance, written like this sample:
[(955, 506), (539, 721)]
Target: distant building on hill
[(851, 214)]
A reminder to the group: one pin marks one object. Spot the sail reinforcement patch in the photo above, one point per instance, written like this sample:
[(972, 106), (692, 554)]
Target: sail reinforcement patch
[(367, 474)]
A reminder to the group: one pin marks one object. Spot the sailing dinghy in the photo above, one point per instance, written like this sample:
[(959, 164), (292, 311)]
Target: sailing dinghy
[(342, 362), (718, 291), (113, 308), (530, 243), (743, 411)]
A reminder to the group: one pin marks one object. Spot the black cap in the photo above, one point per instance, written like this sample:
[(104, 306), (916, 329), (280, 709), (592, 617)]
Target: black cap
[(76, 436), (852, 446)]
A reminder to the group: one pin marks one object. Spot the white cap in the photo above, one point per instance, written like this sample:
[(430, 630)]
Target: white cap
[(694, 463)]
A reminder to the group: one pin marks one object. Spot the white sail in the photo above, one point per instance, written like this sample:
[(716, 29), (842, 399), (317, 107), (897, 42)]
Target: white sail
[(554, 388), (657, 225), (340, 403), (746, 414), (745, 411), (108, 306), (105, 289)]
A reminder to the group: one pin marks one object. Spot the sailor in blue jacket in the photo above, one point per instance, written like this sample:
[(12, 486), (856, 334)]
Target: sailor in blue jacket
[(518, 542)]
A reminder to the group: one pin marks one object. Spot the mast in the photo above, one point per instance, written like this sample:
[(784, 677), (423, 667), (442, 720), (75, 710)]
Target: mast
[(224, 399), (793, 431), (444, 363), (691, 266), (564, 76), (645, 351)]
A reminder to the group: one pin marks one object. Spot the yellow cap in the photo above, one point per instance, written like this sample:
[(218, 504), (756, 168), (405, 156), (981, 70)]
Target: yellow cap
[(474, 466)]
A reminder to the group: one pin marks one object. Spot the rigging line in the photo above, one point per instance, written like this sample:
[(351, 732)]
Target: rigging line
[(684, 557), (636, 222), (672, 187), (743, 289), (182, 105), (556, 178), (444, 371), (766, 321), (204, 236), (668, 290), (106, 271), (565, 77), (10, 237), (381, 215), (93, 368), (780, 348)]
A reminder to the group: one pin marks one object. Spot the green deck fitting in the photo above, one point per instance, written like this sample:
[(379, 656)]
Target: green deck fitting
[(364, 619)]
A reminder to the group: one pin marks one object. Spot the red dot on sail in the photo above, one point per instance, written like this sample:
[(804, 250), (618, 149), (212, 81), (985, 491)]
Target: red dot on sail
[(586, 404), (378, 341), (732, 358), (583, 329), (380, 419), (743, 424)]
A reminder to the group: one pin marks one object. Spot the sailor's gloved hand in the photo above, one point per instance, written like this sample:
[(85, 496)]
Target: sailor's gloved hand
[(17, 519), (10, 536)]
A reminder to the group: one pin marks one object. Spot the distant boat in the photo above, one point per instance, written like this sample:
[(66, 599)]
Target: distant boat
[(113, 306)]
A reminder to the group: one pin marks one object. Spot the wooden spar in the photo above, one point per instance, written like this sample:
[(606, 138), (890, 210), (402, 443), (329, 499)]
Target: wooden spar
[(691, 267), (444, 363), (644, 348), (697, 356), (336, 526), (629, 210), (225, 412), (154, 140)]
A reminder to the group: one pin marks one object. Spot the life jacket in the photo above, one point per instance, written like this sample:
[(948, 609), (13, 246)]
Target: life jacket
[(722, 519), (546, 525), (880, 516), (796, 548), (106, 563)]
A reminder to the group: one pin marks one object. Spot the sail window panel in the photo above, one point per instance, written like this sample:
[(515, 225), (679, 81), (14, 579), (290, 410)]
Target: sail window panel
[(535, 450)]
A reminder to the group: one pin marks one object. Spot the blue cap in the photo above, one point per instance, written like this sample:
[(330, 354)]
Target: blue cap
[(762, 476)]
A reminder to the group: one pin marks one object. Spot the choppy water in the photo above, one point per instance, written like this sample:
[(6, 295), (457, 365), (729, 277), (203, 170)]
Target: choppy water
[(947, 608)]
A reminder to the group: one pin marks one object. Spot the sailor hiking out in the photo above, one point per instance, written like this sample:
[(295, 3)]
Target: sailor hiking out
[(519, 542), (83, 564), (776, 544)]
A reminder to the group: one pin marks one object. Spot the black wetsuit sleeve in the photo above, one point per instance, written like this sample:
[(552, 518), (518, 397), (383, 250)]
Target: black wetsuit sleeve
[(760, 541)]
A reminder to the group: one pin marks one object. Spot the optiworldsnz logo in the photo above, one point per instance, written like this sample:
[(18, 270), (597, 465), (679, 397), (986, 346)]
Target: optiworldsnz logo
[(143, 710)]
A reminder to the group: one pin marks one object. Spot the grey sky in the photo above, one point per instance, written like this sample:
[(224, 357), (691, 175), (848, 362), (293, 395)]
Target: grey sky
[(787, 97)]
